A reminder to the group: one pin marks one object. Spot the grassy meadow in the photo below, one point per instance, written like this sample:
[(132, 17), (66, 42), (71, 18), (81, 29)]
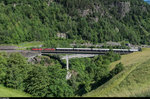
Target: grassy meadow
[(134, 81), (8, 92)]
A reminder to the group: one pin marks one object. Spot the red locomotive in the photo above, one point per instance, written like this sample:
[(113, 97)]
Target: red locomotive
[(41, 49), (37, 49)]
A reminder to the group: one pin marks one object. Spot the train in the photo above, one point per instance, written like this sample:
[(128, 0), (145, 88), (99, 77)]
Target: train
[(86, 49)]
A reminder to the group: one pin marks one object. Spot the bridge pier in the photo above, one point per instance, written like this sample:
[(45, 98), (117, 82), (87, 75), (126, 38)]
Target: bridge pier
[(67, 67), (67, 62)]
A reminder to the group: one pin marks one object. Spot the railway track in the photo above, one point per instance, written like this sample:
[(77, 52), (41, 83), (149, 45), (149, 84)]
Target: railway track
[(80, 52)]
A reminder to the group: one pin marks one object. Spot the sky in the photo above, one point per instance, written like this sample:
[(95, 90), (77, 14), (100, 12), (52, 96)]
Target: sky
[(147, 1)]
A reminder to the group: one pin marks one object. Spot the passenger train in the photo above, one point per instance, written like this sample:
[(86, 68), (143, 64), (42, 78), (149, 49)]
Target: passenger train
[(86, 49)]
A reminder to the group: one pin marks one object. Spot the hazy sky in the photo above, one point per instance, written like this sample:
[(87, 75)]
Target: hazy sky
[(147, 0)]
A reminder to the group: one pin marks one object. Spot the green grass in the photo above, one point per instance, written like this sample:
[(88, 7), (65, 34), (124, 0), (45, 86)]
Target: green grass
[(8, 92), (25, 45), (145, 93), (133, 81)]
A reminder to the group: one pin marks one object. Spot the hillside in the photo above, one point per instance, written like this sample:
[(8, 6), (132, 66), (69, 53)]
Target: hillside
[(133, 81), (95, 21), (8, 92)]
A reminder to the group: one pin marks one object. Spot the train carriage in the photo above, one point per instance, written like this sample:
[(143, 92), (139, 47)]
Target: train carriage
[(82, 49), (100, 49), (86, 49), (49, 49)]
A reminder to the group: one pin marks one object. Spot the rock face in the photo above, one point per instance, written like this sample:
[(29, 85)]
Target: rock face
[(96, 8), (62, 35), (124, 7), (71, 74)]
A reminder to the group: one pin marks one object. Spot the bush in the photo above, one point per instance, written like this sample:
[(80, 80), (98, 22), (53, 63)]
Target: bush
[(37, 82), (118, 68), (3, 63), (17, 71)]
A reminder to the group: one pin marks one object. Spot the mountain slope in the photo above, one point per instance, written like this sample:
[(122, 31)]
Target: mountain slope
[(95, 21), (132, 81)]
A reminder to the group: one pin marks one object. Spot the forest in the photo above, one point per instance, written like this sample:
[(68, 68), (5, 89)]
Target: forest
[(96, 21), (47, 78)]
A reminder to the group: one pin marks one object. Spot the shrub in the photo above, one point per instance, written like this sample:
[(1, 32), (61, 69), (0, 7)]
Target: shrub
[(118, 68)]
